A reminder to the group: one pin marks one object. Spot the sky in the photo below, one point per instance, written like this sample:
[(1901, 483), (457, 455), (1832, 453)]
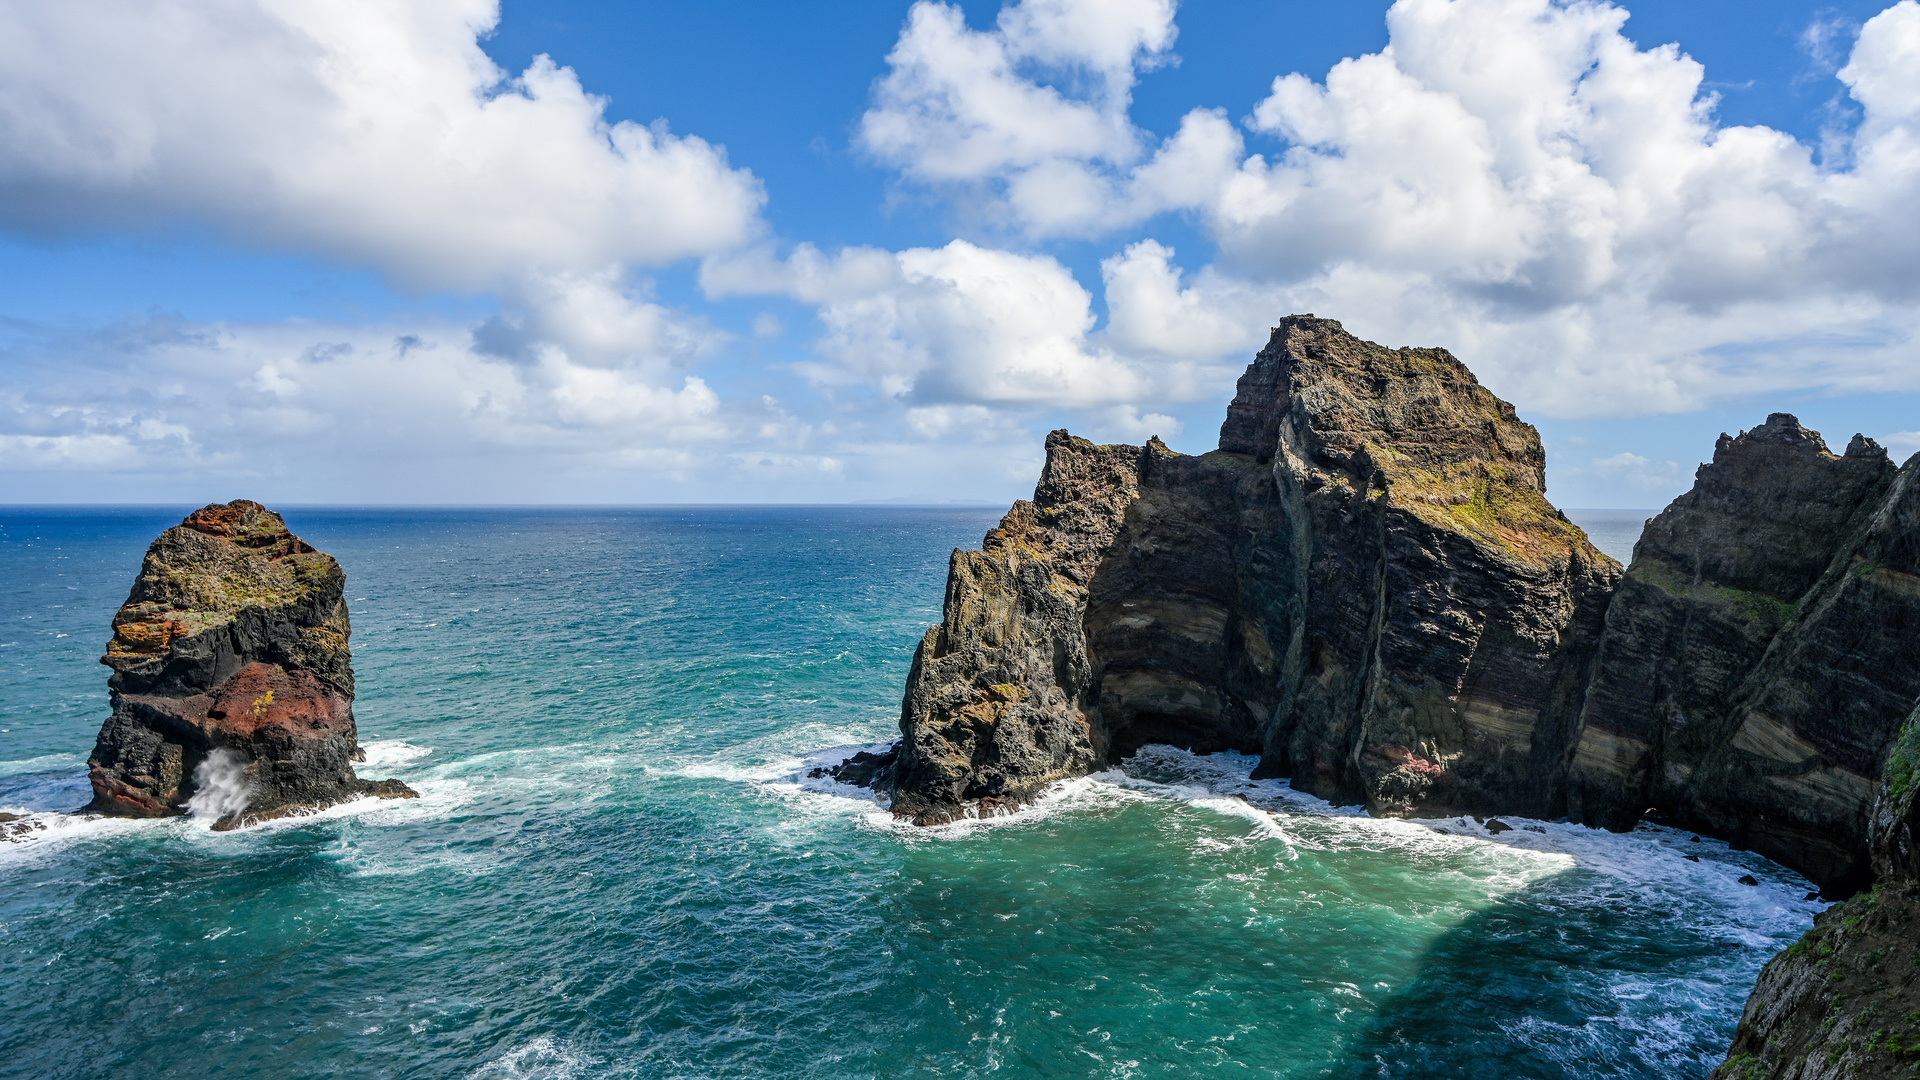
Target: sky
[(458, 251)]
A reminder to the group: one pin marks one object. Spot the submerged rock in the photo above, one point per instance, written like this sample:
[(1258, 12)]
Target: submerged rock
[(232, 681), (1365, 585)]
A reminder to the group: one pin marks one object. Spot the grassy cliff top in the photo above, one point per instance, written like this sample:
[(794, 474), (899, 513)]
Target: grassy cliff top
[(203, 572)]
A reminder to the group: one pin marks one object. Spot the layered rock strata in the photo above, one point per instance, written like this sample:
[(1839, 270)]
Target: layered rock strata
[(1843, 1003), (232, 683), (1759, 655), (1810, 733), (1365, 585)]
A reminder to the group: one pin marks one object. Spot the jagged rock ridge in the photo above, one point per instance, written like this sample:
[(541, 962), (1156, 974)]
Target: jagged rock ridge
[(1365, 584), (1760, 654), (231, 667)]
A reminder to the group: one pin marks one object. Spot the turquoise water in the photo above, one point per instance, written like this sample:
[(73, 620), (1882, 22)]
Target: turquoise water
[(614, 872)]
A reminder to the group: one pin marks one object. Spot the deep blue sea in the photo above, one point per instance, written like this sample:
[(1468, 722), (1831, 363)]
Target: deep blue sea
[(615, 870)]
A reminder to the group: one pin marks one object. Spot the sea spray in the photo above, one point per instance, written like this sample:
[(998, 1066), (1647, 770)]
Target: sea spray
[(221, 790)]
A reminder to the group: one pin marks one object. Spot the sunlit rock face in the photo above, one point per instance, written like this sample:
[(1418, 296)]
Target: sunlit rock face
[(232, 683), (1365, 584)]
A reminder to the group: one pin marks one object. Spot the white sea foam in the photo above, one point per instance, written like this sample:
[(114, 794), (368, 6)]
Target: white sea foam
[(221, 788), (44, 763), (392, 753), (1650, 863), (541, 1059), (39, 835)]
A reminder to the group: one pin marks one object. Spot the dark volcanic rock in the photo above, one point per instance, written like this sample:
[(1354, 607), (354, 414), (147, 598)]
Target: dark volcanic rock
[(1819, 767), (1365, 584), (1439, 613), (1843, 1003), (1760, 654), (232, 678), (997, 700)]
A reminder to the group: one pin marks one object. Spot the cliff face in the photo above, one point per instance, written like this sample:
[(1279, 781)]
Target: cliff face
[(1822, 740), (1438, 613), (1365, 584), (1759, 656), (998, 699), (1843, 1003), (232, 679)]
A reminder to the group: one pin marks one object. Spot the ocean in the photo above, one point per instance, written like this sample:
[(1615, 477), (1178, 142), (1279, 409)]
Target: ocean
[(619, 868)]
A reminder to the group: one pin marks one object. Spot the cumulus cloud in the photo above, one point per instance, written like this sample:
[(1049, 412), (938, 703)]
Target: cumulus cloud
[(960, 324), (1513, 178), (1519, 181), (1034, 113), (374, 132), (1152, 312)]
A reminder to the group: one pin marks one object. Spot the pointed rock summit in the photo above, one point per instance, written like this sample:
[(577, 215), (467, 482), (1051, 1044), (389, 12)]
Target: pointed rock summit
[(1364, 584), (232, 681)]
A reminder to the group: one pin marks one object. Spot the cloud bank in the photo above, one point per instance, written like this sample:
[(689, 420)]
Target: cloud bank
[(1514, 179)]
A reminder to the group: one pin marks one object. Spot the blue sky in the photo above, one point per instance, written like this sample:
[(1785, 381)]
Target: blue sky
[(443, 251)]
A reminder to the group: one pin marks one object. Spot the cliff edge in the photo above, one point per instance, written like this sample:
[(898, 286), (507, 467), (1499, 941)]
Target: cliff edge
[(232, 683)]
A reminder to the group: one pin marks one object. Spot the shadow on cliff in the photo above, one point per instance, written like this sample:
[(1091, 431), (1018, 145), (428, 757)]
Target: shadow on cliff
[(1569, 978)]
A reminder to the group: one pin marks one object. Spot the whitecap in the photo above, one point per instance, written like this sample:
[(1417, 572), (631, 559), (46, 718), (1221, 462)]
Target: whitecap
[(541, 1059), (392, 753), (43, 763)]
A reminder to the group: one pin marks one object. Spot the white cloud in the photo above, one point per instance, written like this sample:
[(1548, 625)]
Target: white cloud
[(1636, 472), (1150, 313), (956, 104), (1517, 180), (1126, 423), (1036, 111), (1901, 444), (375, 132), (596, 319), (955, 324), (259, 399)]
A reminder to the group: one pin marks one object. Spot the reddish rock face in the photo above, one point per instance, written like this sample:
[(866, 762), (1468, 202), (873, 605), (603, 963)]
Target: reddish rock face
[(234, 641)]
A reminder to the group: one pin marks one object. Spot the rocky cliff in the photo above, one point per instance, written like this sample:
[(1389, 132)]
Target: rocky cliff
[(1821, 742), (1365, 584), (1760, 654), (1843, 1003), (232, 681)]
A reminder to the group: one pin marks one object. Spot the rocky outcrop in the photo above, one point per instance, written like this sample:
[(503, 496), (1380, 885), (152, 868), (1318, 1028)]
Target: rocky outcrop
[(1365, 584), (1759, 655), (232, 681), (1825, 753), (1439, 614), (1843, 1003)]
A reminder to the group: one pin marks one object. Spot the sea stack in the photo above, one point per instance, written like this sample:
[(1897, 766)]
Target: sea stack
[(232, 681)]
